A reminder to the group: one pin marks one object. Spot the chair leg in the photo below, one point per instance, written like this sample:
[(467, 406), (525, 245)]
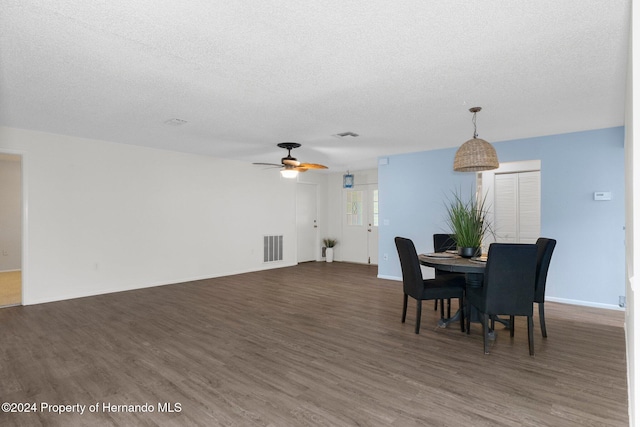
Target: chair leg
[(418, 315), (467, 308), (512, 327), (462, 319), (442, 309), (404, 308), (435, 305), (530, 330), (448, 308), (493, 323), (543, 325), (485, 332)]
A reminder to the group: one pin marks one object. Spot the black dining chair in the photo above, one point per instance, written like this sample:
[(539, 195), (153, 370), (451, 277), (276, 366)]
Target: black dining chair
[(508, 287), (442, 243), (417, 287), (545, 250)]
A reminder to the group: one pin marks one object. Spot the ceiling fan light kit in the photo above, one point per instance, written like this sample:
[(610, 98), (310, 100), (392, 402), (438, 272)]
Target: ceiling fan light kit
[(476, 154), (290, 165), (289, 173)]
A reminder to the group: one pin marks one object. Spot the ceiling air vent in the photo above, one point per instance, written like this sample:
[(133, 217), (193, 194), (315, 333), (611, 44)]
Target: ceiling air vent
[(345, 134), (175, 122)]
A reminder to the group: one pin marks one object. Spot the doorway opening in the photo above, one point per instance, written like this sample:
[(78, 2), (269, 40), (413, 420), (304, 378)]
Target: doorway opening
[(10, 230)]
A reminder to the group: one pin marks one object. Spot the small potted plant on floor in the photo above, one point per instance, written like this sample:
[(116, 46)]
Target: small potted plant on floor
[(468, 222), (329, 244)]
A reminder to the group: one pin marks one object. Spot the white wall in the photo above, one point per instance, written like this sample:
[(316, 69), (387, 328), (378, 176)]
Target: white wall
[(105, 217), (10, 213)]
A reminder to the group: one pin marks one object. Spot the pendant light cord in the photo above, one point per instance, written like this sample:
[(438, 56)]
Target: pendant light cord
[(475, 128)]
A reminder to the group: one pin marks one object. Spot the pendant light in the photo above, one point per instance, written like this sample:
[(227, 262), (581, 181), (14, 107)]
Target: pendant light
[(476, 154)]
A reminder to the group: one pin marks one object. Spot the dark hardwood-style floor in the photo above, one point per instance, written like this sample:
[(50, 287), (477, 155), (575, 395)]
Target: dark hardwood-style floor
[(313, 345)]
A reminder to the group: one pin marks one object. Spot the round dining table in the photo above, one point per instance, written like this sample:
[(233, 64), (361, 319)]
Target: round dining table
[(447, 261), (474, 275)]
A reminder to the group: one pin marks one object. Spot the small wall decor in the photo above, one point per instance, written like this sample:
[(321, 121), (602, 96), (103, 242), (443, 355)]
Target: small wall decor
[(347, 180)]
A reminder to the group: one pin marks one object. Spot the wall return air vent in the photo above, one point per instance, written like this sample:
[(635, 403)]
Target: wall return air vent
[(272, 248)]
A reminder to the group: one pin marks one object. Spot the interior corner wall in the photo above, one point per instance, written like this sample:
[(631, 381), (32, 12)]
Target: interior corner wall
[(105, 217), (573, 167), (412, 189)]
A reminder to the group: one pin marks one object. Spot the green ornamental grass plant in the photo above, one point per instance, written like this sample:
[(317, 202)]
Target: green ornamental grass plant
[(468, 220), (329, 243)]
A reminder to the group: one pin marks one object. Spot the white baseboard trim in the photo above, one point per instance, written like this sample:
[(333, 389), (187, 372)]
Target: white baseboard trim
[(550, 299), (584, 303), (134, 286)]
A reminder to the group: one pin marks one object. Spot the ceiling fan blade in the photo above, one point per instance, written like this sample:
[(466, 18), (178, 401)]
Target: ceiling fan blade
[(291, 163), (268, 164), (312, 166)]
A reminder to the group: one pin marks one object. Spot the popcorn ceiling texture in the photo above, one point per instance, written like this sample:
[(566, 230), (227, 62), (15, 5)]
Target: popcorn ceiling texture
[(247, 75)]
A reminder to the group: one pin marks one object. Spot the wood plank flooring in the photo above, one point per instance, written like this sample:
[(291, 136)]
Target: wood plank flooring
[(10, 288), (313, 345)]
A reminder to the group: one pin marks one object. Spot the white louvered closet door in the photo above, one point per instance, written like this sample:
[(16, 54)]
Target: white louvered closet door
[(517, 207)]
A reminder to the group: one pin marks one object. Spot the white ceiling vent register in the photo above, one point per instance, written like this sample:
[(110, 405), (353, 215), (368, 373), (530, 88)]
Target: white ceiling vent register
[(175, 122), (345, 134), (272, 248)]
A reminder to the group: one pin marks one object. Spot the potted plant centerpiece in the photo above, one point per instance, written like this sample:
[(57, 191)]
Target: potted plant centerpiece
[(468, 222), (329, 244)]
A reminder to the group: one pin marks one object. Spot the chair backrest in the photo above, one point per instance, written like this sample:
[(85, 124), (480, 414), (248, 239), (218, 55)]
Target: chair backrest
[(443, 242), (509, 279), (411, 274), (545, 250)]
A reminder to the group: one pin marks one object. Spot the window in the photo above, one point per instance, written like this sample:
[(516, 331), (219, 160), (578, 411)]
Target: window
[(354, 208), (375, 208)]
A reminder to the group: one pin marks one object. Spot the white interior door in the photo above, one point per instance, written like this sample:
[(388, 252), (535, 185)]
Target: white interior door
[(307, 222), (360, 225)]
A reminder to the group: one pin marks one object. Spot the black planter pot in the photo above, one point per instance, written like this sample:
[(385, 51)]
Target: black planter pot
[(468, 252)]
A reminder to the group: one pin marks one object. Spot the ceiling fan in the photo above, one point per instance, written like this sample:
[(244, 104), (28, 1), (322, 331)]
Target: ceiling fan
[(290, 165)]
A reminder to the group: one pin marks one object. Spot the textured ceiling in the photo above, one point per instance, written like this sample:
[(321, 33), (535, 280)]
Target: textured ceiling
[(246, 75)]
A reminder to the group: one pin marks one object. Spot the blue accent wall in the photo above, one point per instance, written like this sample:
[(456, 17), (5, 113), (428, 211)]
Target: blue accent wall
[(588, 263)]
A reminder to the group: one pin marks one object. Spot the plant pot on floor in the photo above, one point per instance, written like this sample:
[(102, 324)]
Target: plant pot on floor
[(329, 243), (329, 254)]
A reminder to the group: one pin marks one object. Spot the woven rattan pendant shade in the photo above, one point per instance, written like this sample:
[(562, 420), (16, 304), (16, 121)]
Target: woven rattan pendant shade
[(476, 154)]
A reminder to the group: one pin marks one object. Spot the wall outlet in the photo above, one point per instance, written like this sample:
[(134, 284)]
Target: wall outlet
[(622, 301)]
